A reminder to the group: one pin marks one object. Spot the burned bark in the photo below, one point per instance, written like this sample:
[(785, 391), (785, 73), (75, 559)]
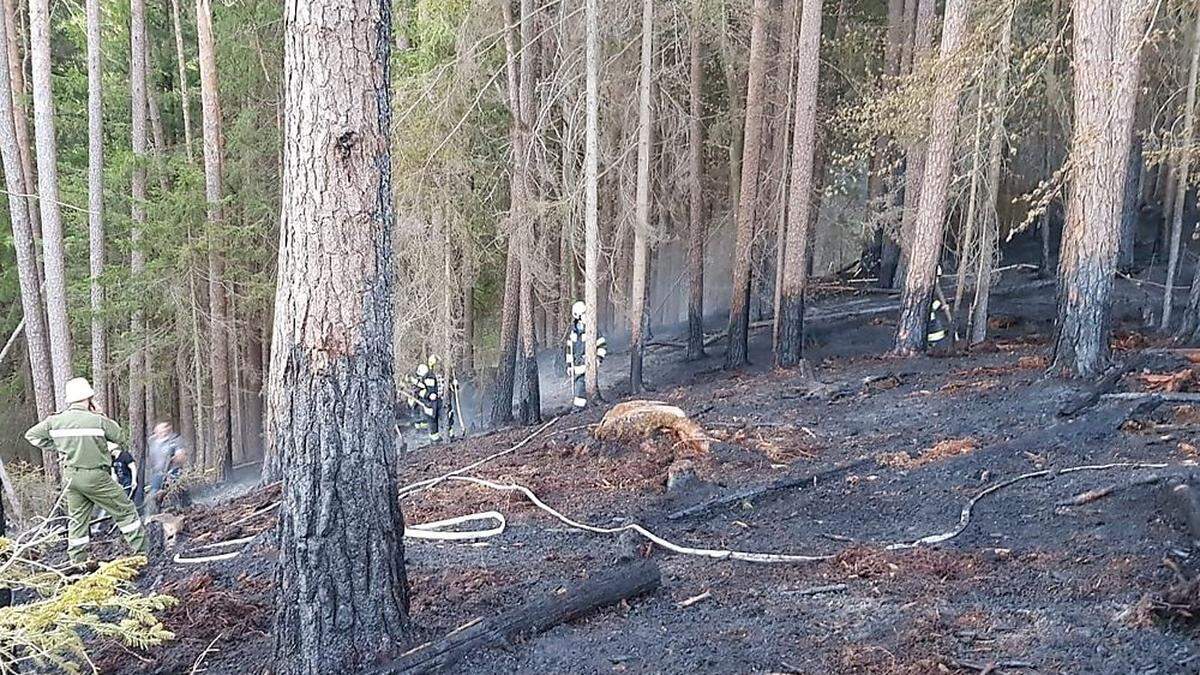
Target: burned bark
[(696, 229), (929, 225), (1107, 46), (737, 347), (341, 591), (609, 587), (502, 388), (789, 336), (641, 228)]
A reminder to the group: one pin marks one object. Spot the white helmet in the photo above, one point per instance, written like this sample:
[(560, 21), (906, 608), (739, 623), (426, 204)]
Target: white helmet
[(422, 370), (77, 390), (578, 309)]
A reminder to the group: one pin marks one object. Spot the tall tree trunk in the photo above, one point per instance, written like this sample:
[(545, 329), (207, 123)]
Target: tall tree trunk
[(789, 336), (138, 373), (1134, 176), (1107, 46), (696, 229), (966, 236), (641, 225), (510, 316), (1049, 138), (467, 365), (737, 353), (254, 395), (185, 101), (737, 111), (213, 172), (882, 173), (96, 202), (187, 401), (917, 151), (1182, 168), (784, 90), (531, 403), (341, 591), (591, 224), (16, 74), (502, 391), (929, 226), (989, 233), (47, 166), (36, 342), (531, 398)]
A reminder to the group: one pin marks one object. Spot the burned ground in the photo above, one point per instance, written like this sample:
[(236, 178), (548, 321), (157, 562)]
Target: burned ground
[(1028, 585)]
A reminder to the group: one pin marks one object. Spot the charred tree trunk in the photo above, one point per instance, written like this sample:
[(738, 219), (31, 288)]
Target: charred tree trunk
[(641, 226), (737, 351), (929, 226), (467, 365), (1107, 48), (916, 153), (531, 397), (502, 391), (989, 233), (789, 336), (341, 592), (882, 173), (572, 601), (531, 400), (696, 229), (218, 335), (47, 167)]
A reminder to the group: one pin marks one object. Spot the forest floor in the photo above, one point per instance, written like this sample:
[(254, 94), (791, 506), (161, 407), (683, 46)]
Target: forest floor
[(1031, 584)]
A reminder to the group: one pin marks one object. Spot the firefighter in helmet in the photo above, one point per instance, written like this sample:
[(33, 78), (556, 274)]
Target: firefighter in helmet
[(576, 354), (427, 395)]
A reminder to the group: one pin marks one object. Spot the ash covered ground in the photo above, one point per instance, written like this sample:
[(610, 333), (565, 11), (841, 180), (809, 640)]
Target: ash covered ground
[(1030, 584)]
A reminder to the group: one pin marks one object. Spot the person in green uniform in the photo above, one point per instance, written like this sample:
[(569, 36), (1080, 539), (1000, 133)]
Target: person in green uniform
[(81, 434)]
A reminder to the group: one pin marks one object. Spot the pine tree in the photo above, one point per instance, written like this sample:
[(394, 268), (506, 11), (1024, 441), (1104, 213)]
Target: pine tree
[(332, 373)]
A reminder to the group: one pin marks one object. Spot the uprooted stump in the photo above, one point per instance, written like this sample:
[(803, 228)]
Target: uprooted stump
[(633, 421), (572, 601), (1177, 605)]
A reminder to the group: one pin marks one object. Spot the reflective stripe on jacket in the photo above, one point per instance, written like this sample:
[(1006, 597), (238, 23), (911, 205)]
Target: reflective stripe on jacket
[(80, 434)]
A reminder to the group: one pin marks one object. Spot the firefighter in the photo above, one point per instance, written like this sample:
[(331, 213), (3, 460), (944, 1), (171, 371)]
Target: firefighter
[(936, 331), (124, 469), (576, 354), (427, 394), (82, 435)]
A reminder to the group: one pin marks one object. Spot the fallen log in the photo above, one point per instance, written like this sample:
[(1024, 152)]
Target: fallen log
[(1154, 359), (609, 587), (750, 493), (1092, 394), (1161, 396)]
